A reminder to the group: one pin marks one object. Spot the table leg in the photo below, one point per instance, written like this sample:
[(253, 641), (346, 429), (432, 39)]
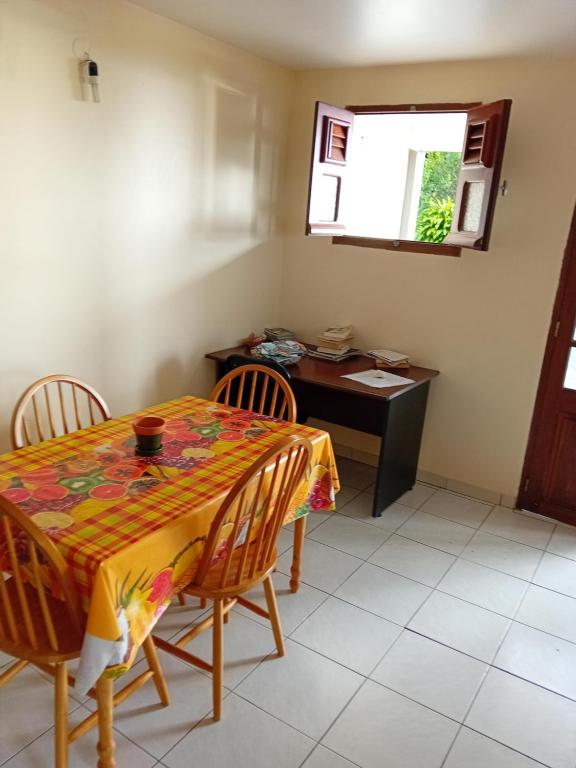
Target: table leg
[(106, 745), (299, 531), (400, 447)]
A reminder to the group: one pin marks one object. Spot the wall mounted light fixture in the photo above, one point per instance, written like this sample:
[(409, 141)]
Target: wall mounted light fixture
[(90, 75)]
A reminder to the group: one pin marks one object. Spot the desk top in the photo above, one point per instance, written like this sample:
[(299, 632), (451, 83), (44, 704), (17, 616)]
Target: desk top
[(325, 373)]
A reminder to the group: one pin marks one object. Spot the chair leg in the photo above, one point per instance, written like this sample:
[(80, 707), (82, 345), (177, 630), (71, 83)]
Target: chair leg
[(274, 615), (203, 602), (106, 744), (12, 670), (217, 659), (181, 598), (61, 716), (154, 664), (299, 533)]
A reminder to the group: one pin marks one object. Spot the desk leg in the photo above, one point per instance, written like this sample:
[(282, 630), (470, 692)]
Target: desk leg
[(106, 745), (400, 446), (299, 531)]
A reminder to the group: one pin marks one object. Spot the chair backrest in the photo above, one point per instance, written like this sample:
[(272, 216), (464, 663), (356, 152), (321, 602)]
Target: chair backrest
[(256, 388), (242, 538), (55, 405), (36, 590), (234, 361)]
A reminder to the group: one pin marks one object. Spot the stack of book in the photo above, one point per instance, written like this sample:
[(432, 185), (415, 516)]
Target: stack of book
[(334, 344), (314, 352), (386, 358), (278, 334), (335, 341)]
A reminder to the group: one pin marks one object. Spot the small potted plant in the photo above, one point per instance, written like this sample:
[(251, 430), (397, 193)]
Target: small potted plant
[(148, 431)]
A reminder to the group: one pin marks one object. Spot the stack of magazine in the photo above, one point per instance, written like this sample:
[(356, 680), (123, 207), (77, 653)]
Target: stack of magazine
[(278, 334), (386, 358), (284, 351)]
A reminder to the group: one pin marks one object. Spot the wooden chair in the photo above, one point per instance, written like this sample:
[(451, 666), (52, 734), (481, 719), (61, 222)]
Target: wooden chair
[(240, 551), (236, 360), (41, 621), (265, 390), (55, 405), (256, 388)]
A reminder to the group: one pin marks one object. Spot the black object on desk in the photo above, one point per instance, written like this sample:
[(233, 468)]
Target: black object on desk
[(394, 414)]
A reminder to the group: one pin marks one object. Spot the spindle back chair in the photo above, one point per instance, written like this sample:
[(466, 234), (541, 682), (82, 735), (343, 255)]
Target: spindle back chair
[(55, 405), (256, 388), (41, 620), (236, 360), (40, 615), (240, 550)]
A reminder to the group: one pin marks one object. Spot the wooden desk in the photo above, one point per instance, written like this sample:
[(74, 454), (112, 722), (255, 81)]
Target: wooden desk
[(395, 414)]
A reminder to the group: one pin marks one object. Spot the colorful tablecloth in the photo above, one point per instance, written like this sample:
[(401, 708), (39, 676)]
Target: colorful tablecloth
[(133, 528)]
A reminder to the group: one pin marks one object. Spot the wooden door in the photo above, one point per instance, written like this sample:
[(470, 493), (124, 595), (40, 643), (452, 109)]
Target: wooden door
[(548, 484)]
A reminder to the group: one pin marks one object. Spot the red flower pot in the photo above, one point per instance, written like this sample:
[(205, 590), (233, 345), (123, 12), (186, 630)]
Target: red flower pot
[(148, 431)]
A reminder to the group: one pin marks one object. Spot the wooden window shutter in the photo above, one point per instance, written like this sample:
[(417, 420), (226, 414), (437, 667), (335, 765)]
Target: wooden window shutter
[(477, 189), (330, 159)]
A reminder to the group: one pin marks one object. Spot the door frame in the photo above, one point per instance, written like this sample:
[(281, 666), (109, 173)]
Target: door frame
[(530, 491)]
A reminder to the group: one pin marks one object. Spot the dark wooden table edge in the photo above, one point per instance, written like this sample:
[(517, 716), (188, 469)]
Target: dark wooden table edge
[(388, 393)]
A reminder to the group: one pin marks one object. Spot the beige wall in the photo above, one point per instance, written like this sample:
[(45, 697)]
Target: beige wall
[(481, 319), (138, 233)]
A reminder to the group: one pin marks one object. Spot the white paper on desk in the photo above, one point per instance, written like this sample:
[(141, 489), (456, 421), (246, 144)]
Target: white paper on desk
[(378, 379)]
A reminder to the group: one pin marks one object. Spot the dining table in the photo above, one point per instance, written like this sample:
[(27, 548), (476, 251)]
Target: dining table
[(132, 528)]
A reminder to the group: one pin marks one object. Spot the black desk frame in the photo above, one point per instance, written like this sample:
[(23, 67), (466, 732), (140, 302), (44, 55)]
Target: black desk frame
[(397, 420)]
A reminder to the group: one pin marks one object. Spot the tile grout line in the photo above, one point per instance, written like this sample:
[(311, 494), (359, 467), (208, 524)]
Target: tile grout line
[(437, 589), (332, 751), (32, 741), (284, 722), (401, 627), (489, 667), (339, 714), (366, 677), (542, 552), (507, 746), (476, 694), (226, 692), (457, 557)]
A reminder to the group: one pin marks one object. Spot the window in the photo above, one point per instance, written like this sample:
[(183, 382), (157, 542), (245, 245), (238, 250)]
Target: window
[(420, 178)]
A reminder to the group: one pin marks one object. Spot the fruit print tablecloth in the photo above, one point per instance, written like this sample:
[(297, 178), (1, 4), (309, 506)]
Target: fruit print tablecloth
[(132, 528)]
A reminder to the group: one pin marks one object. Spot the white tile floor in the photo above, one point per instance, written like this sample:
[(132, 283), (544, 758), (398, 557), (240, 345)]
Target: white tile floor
[(441, 635)]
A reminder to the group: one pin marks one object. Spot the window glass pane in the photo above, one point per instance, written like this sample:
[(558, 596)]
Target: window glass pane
[(574, 335), (474, 192), (570, 377), (329, 187)]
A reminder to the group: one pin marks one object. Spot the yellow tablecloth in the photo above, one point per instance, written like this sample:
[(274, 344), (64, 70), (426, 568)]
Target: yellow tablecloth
[(132, 528)]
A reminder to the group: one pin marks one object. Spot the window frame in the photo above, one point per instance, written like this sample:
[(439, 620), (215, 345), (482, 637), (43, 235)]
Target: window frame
[(413, 246)]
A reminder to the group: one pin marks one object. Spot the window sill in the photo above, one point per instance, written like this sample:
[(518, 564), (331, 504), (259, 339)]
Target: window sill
[(411, 246)]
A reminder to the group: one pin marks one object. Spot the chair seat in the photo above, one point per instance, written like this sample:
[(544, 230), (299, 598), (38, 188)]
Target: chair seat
[(68, 638), (211, 584)]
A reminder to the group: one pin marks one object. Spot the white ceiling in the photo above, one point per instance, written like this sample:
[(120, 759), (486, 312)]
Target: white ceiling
[(303, 34)]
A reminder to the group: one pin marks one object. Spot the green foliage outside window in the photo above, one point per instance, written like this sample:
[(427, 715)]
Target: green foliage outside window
[(434, 221), (436, 206)]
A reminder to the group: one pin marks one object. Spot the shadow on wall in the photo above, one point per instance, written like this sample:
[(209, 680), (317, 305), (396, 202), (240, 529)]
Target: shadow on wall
[(241, 162), (161, 355), (220, 279)]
